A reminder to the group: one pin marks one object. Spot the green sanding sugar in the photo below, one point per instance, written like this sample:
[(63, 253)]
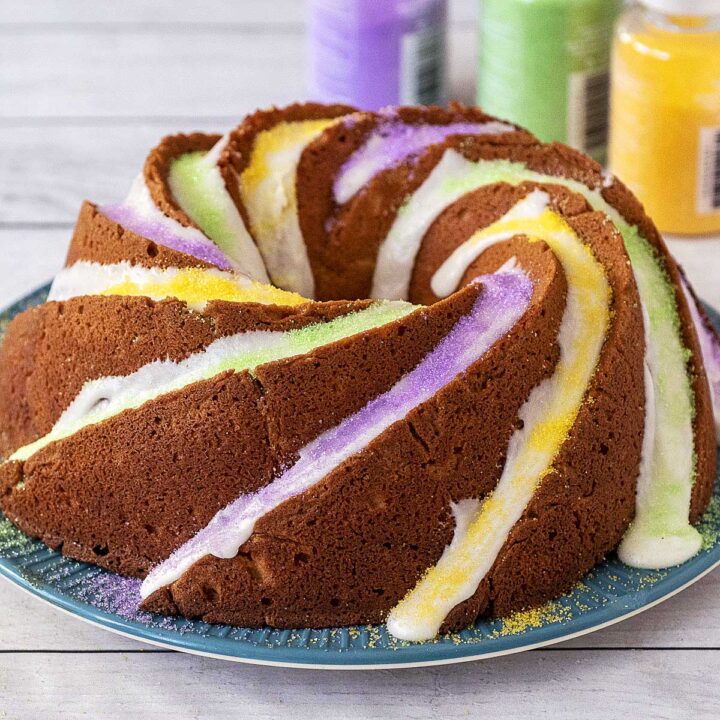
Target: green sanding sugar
[(12, 538), (653, 282), (198, 188), (663, 499), (662, 509), (489, 173), (311, 337), (709, 525), (270, 347)]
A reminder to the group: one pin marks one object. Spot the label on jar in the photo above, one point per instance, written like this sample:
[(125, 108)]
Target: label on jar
[(708, 187), (422, 67), (587, 110)]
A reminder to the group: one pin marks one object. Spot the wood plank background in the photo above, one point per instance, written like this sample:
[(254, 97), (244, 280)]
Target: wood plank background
[(86, 88)]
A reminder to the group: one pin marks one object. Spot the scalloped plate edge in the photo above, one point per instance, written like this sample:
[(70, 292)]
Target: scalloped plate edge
[(27, 587), (686, 575)]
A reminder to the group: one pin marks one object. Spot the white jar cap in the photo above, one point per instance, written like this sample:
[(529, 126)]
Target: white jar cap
[(684, 7)]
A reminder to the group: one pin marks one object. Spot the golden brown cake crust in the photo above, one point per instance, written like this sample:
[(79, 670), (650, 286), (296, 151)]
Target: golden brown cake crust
[(343, 241), (207, 443), (52, 350), (157, 168), (99, 239), (358, 540), (238, 151)]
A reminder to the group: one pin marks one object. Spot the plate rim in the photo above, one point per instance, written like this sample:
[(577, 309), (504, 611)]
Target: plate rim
[(616, 610), (94, 617)]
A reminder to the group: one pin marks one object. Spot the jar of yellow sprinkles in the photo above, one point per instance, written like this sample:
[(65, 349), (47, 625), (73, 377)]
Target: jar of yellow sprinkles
[(665, 111)]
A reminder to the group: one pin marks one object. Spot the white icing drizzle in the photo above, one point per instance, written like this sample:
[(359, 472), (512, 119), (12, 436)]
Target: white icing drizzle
[(162, 376), (447, 277), (355, 179), (397, 253), (417, 617), (91, 278), (510, 264), (644, 546), (244, 255), (213, 154), (464, 511), (105, 397), (607, 179), (272, 207), (140, 201), (372, 160)]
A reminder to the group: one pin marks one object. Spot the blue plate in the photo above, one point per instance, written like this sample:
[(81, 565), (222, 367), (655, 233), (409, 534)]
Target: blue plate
[(610, 593)]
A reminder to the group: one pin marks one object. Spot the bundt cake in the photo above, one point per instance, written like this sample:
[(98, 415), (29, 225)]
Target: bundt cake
[(338, 367)]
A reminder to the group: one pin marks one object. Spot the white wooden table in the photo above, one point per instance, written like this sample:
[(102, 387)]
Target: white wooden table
[(85, 89)]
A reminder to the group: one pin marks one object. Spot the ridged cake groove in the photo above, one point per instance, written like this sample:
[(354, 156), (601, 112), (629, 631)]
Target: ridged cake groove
[(166, 383)]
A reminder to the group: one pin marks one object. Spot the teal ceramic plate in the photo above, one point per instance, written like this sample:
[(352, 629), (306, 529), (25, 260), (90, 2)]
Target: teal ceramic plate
[(609, 594)]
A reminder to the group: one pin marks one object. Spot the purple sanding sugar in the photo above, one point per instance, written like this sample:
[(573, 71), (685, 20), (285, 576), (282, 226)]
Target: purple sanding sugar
[(158, 232), (118, 595), (114, 594), (709, 345), (349, 121), (393, 142), (500, 304)]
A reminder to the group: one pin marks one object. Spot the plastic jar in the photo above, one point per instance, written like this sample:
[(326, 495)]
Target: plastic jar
[(544, 64), (665, 111), (373, 53)]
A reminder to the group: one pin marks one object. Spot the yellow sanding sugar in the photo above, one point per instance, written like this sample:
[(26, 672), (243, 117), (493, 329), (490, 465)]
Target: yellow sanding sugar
[(282, 138), (196, 286), (651, 578), (519, 622), (548, 417)]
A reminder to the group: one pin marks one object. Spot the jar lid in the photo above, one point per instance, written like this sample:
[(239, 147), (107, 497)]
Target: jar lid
[(684, 7)]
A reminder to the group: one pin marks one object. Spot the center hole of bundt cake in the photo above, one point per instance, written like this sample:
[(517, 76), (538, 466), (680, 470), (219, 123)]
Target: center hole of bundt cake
[(412, 261)]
